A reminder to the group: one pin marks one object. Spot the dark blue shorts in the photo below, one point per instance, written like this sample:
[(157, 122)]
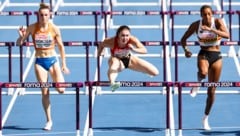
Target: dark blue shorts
[(46, 63)]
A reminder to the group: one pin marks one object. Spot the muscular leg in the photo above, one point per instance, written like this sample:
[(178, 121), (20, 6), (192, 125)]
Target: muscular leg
[(42, 76), (202, 64), (202, 68), (115, 67), (141, 65), (57, 76), (213, 76)]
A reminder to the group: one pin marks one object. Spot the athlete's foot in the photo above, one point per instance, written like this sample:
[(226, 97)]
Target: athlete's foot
[(48, 126), (205, 123), (115, 86), (194, 91)]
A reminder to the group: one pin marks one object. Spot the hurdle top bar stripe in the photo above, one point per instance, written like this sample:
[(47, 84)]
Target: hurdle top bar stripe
[(131, 83), (41, 84), (129, 12), (7, 44)]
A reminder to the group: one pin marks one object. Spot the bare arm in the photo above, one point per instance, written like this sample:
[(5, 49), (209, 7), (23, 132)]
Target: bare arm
[(191, 29), (108, 42), (61, 49), (23, 34), (137, 46)]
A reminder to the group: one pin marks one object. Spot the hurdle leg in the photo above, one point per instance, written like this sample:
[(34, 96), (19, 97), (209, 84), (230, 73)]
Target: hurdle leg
[(179, 109), (10, 91), (77, 112), (167, 133), (90, 130), (0, 109)]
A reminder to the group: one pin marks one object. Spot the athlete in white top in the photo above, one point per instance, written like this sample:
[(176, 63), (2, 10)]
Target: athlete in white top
[(209, 31), (208, 38)]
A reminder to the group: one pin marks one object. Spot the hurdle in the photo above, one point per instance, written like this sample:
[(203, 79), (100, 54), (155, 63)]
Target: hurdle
[(25, 14), (18, 13), (162, 15), (180, 85), (76, 85), (129, 84)]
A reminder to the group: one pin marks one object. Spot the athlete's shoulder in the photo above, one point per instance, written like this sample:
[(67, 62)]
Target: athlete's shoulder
[(109, 40), (218, 20), (53, 26), (134, 39), (196, 23), (32, 27)]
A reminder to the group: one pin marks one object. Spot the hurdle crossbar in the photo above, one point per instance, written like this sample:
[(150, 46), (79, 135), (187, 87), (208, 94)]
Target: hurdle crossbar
[(15, 13), (146, 43), (211, 84), (66, 43), (198, 84), (197, 12), (130, 84), (191, 43), (76, 85)]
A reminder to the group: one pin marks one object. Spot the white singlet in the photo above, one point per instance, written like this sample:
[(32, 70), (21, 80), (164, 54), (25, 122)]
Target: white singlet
[(208, 38)]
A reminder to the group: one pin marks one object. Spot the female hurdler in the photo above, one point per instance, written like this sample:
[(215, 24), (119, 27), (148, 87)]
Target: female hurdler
[(121, 57)]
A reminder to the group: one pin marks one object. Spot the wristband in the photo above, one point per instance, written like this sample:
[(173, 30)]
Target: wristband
[(185, 49)]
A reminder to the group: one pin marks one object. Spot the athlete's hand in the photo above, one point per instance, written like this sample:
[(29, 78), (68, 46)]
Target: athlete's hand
[(131, 47), (65, 70), (21, 31), (188, 54), (102, 53), (204, 27)]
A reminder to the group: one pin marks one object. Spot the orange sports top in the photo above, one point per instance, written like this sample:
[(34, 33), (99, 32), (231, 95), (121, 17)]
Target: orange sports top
[(44, 40)]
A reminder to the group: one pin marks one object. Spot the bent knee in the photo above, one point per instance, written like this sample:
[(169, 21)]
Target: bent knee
[(202, 74), (155, 72)]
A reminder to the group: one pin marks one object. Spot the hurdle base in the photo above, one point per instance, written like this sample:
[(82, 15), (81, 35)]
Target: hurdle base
[(78, 133), (90, 132), (98, 90), (86, 90), (10, 91), (164, 91), (22, 91), (167, 132), (180, 132)]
